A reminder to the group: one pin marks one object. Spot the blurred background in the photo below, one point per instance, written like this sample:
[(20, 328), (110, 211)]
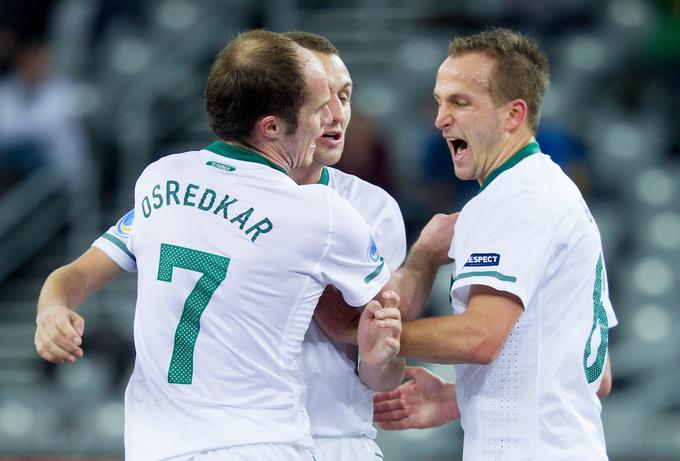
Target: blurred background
[(91, 91)]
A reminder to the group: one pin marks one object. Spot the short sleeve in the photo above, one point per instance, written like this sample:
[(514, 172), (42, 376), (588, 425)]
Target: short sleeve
[(390, 234), (612, 321), (114, 243), (503, 244), (352, 262)]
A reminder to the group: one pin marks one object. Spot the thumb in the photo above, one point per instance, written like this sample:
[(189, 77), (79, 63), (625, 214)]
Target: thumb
[(412, 373), (371, 308)]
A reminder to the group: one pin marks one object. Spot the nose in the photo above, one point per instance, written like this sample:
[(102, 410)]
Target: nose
[(444, 118), (326, 115), (335, 107)]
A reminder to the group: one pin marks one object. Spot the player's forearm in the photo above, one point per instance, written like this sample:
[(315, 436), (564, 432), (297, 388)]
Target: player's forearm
[(62, 288), (446, 340), (414, 281), (71, 284), (383, 378)]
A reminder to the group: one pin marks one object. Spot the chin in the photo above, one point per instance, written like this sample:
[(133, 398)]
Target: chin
[(328, 157), (463, 175)]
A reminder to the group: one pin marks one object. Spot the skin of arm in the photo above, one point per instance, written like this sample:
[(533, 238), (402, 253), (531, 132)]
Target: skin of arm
[(412, 282), (476, 336), (606, 384), (59, 329)]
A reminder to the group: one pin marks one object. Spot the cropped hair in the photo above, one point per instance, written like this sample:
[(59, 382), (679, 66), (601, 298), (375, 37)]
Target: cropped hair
[(258, 73), (521, 71), (312, 42)]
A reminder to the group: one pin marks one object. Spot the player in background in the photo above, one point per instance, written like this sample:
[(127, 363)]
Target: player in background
[(60, 329), (529, 333), (339, 405)]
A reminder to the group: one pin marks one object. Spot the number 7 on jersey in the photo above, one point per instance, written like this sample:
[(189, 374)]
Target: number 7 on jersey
[(214, 270)]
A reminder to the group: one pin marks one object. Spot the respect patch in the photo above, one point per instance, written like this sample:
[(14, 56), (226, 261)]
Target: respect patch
[(483, 259)]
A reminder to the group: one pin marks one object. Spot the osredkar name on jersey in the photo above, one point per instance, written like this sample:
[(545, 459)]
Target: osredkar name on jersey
[(170, 196)]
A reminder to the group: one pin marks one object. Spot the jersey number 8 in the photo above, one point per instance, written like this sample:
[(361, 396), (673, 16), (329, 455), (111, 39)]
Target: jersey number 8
[(600, 325)]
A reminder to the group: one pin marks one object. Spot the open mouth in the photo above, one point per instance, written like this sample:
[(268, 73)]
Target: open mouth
[(459, 147), (332, 136)]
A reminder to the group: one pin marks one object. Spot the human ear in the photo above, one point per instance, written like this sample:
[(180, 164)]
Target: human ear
[(517, 114), (269, 126)]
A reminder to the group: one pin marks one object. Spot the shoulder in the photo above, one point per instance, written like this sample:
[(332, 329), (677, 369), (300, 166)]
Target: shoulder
[(355, 189)]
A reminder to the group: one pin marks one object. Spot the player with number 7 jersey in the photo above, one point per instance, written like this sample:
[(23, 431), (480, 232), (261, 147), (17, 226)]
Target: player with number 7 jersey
[(327, 367), (232, 256), (222, 309)]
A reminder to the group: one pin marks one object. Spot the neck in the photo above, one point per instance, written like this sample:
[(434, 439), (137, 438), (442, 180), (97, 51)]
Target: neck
[(307, 175), (268, 152), (510, 147)]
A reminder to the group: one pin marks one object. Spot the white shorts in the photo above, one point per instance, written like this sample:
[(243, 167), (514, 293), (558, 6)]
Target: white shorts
[(346, 449), (261, 452)]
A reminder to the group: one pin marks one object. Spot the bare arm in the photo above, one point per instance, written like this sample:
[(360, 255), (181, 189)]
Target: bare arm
[(59, 328), (476, 336), (606, 384), (413, 281)]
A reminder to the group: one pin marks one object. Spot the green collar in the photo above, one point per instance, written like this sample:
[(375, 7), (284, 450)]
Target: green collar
[(239, 153), (323, 180), (529, 149)]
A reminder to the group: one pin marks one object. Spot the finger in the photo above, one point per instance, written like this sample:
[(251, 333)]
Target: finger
[(48, 357), (390, 324), (397, 425), (78, 323), (66, 329), (388, 313), (393, 345), (371, 308), (66, 343), (391, 395), (59, 352), (385, 416), (387, 406), (53, 353), (390, 298)]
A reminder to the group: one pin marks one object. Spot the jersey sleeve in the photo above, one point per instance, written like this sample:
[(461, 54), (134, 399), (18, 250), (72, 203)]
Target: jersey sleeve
[(612, 321), (115, 242), (504, 245), (352, 262), (390, 234)]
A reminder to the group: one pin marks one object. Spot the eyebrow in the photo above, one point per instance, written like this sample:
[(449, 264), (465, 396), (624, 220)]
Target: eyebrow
[(451, 97), (346, 87)]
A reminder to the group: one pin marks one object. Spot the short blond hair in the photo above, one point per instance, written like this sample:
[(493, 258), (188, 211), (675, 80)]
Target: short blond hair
[(521, 71)]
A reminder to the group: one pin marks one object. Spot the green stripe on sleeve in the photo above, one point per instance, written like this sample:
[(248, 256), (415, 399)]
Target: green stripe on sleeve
[(119, 244), (376, 272), (494, 274)]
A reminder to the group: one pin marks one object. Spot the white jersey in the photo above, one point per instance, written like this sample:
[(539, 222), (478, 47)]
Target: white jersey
[(232, 256), (338, 403), (529, 232)]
